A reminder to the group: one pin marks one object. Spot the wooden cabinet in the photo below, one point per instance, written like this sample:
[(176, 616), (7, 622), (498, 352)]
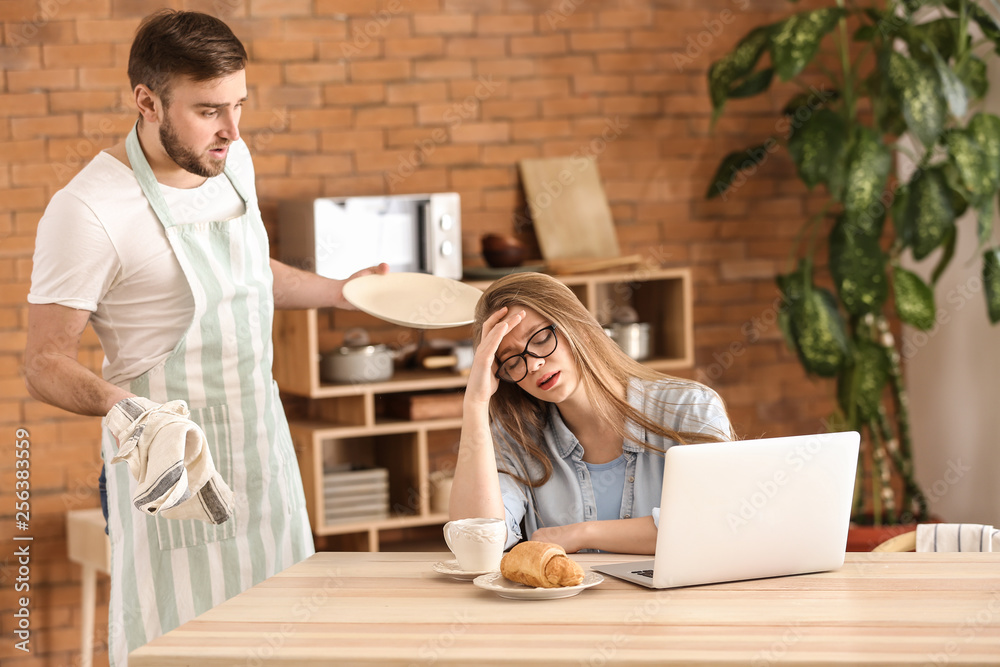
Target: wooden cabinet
[(340, 424)]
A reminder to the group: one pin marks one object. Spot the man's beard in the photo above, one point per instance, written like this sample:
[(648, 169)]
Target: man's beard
[(186, 158)]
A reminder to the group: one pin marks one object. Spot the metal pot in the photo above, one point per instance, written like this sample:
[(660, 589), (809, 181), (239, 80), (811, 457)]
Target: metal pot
[(634, 338), (357, 364)]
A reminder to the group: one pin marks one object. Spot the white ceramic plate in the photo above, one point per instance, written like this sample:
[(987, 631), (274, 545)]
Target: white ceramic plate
[(451, 569), (417, 300), (505, 588)]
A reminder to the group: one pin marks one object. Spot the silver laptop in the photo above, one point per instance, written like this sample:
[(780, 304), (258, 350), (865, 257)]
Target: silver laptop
[(750, 509)]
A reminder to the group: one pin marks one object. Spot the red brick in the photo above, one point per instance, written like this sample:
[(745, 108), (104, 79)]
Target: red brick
[(96, 100), (509, 24), (597, 83), (507, 67), (282, 50), (384, 117), (509, 109), (465, 155), (578, 106), (304, 73), (271, 97), (509, 154), (313, 28), (565, 65), (538, 46), (402, 93), (598, 41), (77, 55), (351, 7), (103, 30), (385, 70), (319, 165), (45, 80), (443, 24), (443, 69), (540, 129), (476, 47), (282, 8), (23, 104), (350, 94), (349, 140), (319, 119), (625, 18), (539, 88), (414, 47), (481, 133), (21, 151)]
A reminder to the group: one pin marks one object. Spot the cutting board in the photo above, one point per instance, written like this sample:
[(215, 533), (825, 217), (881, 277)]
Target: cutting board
[(568, 206)]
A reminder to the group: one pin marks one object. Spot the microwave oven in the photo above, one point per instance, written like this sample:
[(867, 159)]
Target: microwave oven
[(336, 236)]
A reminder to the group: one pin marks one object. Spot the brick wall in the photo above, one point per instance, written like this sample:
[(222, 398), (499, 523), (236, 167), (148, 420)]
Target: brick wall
[(353, 97)]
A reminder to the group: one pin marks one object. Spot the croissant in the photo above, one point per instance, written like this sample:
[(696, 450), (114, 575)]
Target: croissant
[(540, 564)]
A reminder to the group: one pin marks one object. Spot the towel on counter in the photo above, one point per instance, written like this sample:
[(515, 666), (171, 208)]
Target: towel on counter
[(957, 537), (168, 455)]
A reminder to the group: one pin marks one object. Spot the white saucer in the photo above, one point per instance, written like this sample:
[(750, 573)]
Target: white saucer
[(505, 588), (451, 569), (417, 300)]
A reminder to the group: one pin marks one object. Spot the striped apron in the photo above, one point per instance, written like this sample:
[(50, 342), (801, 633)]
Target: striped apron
[(165, 572)]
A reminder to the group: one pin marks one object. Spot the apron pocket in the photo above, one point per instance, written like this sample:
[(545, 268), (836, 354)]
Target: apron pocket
[(183, 533)]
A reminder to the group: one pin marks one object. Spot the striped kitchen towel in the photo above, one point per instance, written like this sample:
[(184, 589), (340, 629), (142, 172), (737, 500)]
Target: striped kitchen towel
[(168, 456), (957, 537)]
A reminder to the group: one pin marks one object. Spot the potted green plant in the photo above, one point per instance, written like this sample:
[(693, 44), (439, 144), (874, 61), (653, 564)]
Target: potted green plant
[(902, 96)]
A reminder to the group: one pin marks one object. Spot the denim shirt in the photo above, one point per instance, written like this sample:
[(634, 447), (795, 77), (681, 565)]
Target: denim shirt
[(568, 496)]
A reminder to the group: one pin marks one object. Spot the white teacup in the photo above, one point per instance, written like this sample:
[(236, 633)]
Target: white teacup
[(477, 543)]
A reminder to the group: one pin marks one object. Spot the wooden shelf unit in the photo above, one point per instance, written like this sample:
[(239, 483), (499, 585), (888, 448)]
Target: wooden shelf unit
[(347, 425)]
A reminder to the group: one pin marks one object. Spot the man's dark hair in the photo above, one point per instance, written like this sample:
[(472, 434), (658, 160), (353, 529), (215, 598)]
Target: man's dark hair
[(171, 43)]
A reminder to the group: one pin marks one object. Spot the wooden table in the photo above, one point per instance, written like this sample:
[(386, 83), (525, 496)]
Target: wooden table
[(392, 609)]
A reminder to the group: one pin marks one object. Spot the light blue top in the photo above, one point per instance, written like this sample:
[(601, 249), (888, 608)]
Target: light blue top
[(608, 480), (569, 494)]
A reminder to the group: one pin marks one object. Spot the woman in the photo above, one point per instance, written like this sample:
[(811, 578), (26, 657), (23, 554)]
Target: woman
[(562, 432)]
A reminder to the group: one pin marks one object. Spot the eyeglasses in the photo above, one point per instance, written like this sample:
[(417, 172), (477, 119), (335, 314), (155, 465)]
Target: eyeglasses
[(541, 344)]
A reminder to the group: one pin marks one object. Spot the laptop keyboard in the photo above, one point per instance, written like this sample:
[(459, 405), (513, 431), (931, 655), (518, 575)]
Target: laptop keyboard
[(643, 573)]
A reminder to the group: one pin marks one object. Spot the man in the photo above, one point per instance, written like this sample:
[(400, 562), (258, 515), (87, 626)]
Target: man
[(158, 242)]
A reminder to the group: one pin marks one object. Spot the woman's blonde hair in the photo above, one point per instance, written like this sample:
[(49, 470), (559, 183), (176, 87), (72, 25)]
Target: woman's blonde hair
[(603, 368)]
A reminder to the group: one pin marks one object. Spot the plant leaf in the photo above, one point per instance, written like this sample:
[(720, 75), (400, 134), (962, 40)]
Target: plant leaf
[(940, 33), (867, 169), (923, 102), (949, 252), (729, 70), (959, 194), (984, 221), (871, 373), (914, 299), (929, 214), (754, 84), (857, 265), (991, 282), (816, 146), (819, 332), (972, 72), (986, 22), (951, 86), (734, 164), (975, 152), (796, 39)]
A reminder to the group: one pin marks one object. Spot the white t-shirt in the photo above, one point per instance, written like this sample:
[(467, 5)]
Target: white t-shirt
[(101, 248)]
